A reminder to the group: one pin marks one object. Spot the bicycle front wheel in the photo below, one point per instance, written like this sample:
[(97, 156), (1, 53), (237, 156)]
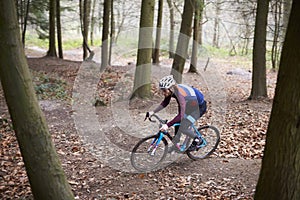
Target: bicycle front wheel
[(144, 156), (211, 136)]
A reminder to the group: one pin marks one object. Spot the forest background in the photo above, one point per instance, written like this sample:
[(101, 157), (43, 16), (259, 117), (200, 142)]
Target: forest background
[(217, 19)]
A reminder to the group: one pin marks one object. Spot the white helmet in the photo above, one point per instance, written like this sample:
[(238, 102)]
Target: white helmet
[(166, 82)]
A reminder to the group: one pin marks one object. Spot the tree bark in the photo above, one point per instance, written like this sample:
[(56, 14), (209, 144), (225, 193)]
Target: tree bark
[(42, 164), (58, 25), (216, 25), (142, 78), (172, 26), (259, 83), (287, 4), (25, 22), (52, 47), (158, 32), (183, 40), (93, 21), (196, 35), (86, 24), (276, 34), (112, 31), (280, 173), (105, 34)]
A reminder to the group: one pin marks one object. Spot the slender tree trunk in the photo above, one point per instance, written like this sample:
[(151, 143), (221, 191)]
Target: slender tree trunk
[(112, 31), (183, 40), (105, 34), (86, 24), (280, 173), (142, 78), (25, 22), (247, 33), (93, 23), (200, 41), (58, 25), (18, 6), (196, 35), (52, 47), (216, 26), (172, 26), (158, 32), (275, 45), (21, 15), (42, 164), (259, 83)]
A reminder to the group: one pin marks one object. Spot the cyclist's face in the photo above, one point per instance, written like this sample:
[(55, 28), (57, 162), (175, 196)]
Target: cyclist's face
[(166, 92)]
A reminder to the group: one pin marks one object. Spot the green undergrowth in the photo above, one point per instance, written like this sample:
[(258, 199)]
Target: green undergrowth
[(49, 87)]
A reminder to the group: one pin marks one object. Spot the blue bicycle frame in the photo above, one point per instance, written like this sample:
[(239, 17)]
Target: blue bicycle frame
[(161, 134)]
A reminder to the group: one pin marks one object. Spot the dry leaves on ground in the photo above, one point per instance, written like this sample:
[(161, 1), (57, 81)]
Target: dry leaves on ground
[(242, 136)]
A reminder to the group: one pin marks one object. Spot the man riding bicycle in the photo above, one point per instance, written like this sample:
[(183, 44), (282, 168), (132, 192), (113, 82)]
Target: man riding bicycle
[(191, 106)]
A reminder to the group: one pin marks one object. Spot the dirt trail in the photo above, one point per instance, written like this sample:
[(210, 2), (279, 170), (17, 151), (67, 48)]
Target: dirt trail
[(230, 174)]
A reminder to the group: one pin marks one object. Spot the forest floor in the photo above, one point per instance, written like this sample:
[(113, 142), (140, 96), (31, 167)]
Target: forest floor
[(93, 171)]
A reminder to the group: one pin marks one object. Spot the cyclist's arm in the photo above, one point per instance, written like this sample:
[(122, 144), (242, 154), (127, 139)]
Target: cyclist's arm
[(163, 104), (181, 110)]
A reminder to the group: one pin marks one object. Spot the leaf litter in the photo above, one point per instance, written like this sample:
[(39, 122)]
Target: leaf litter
[(231, 173)]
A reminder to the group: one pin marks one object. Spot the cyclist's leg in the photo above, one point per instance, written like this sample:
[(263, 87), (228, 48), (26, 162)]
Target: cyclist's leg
[(197, 141), (177, 135), (185, 128)]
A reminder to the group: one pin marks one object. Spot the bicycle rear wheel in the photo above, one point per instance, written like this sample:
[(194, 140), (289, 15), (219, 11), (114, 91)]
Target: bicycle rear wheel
[(212, 137), (143, 158)]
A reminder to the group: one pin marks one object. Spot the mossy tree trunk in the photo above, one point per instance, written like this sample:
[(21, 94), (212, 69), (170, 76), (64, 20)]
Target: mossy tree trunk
[(142, 78), (44, 170), (280, 173), (183, 40), (199, 4), (172, 26)]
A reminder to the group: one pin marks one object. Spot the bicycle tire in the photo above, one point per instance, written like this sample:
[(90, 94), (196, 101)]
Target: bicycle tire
[(142, 160), (212, 136)]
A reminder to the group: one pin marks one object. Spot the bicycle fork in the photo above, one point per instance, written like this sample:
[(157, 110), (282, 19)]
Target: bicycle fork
[(154, 144)]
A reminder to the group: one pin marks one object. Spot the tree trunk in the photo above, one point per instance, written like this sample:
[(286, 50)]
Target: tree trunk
[(105, 34), (200, 41), (86, 24), (183, 40), (275, 44), (93, 21), (247, 34), (112, 31), (196, 35), (58, 25), (42, 164), (259, 84), (172, 26), (280, 173), (142, 78), (52, 47), (216, 25), (158, 32), (286, 14), (25, 22)]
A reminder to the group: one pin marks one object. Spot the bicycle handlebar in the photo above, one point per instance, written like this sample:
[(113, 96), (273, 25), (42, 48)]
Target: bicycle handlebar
[(157, 117)]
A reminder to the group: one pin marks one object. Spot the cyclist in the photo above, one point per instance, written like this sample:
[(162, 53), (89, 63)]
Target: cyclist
[(191, 106)]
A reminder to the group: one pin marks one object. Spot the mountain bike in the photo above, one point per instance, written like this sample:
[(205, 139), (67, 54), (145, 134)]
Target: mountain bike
[(150, 152)]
